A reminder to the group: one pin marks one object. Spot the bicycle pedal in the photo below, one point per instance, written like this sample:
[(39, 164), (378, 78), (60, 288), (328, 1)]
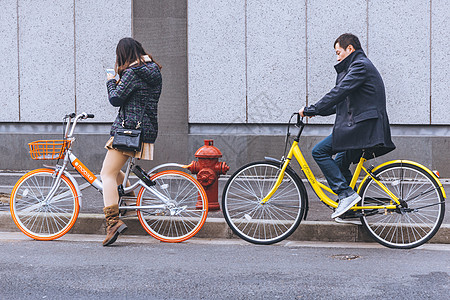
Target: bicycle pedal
[(140, 173), (351, 215)]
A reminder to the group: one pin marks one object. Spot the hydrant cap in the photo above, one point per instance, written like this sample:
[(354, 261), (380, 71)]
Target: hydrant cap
[(208, 151)]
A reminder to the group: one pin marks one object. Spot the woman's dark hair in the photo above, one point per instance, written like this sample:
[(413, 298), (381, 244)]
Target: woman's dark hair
[(128, 51), (347, 39)]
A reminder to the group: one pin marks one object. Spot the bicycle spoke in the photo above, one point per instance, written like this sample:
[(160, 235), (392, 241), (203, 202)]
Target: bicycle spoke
[(252, 220), (184, 214), (423, 213), (41, 219)]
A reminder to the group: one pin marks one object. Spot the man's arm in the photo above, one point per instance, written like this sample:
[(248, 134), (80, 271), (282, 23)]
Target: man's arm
[(327, 105)]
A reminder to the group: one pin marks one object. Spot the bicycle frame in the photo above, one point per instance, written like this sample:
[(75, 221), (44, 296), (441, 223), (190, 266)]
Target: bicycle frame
[(96, 182), (319, 187)]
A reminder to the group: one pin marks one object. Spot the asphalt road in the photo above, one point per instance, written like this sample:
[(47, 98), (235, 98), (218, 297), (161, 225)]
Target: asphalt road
[(76, 266)]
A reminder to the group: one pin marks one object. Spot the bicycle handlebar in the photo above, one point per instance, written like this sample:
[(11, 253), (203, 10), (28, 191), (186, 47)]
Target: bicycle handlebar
[(299, 120), (82, 116)]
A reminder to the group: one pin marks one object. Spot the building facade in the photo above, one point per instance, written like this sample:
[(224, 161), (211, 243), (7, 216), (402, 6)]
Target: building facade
[(233, 71)]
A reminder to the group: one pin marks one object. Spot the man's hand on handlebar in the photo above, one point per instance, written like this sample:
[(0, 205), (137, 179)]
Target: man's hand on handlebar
[(302, 114)]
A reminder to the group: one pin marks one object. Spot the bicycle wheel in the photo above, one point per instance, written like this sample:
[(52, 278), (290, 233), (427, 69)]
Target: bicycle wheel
[(37, 217), (185, 213), (420, 218), (263, 223)]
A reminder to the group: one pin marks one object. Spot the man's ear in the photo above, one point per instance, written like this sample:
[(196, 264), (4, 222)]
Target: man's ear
[(350, 48)]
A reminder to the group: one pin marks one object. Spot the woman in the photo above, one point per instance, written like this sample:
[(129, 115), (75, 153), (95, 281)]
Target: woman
[(136, 92)]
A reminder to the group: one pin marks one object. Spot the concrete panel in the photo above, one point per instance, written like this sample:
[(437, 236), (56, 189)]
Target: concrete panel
[(9, 89), (327, 21), (173, 104), (234, 148), (418, 149), (440, 60), (440, 156), (216, 61), (399, 46), (162, 29), (96, 37), (46, 46), (276, 54)]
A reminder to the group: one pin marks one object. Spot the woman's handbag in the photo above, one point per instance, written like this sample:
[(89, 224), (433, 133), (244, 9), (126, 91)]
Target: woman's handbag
[(128, 139)]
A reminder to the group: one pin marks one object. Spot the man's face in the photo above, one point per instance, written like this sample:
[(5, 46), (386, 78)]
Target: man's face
[(343, 53)]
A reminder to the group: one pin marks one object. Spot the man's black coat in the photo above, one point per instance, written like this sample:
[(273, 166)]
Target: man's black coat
[(359, 101)]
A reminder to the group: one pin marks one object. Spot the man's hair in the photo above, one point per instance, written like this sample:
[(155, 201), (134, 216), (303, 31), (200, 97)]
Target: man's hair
[(347, 39)]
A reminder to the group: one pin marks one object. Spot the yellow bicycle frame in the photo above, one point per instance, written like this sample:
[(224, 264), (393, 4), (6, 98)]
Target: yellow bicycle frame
[(319, 187)]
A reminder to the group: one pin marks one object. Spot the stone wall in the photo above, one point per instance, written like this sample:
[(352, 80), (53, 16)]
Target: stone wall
[(54, 55), (257, 62), (233, 71)]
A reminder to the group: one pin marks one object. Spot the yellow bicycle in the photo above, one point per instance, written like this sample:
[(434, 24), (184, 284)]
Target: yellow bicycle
[(402, 202)]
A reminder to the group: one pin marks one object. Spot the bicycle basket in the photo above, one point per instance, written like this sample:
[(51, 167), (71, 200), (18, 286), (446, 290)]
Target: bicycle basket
[(48, 149)]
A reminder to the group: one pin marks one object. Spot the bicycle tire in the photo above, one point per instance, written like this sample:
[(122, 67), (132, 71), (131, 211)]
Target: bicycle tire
[(189, 198), (37, 219), (267, 223), (403, 228)]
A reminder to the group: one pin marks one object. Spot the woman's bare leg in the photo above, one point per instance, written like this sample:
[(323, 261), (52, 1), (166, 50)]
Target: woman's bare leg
[(120, 178), (112, 164)]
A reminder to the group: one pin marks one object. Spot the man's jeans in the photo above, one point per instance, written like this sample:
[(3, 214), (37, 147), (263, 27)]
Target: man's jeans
[(336, 170)]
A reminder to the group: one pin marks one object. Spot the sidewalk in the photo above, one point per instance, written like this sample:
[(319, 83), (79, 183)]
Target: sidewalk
[(216, 228), (317, 227)]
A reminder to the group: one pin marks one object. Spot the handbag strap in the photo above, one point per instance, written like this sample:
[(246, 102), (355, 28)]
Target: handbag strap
[(122, 109)]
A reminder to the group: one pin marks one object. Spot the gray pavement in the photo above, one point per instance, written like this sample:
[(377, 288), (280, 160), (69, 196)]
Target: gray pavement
[(138, 267), (317, 227)]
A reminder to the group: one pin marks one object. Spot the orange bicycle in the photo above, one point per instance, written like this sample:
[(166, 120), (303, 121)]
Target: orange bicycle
[(171, 205)]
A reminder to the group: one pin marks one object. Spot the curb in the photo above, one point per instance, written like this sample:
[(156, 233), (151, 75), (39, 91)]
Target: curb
[(217, 228)]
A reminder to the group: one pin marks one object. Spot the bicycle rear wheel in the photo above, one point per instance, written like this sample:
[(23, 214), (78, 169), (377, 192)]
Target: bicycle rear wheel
[(420, 218), (40, 219), (265, 223), (183, 217)]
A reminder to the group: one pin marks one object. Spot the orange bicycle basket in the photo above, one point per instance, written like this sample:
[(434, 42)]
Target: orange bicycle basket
[(48, 149)]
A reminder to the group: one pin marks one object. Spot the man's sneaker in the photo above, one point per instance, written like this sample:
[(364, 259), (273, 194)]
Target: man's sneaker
[(345, 204), (348, 221)]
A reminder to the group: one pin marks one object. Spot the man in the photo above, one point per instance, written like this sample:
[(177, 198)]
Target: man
[(361, 124)]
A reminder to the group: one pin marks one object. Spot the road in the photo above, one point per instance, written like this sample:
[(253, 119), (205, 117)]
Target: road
[(76, 266)]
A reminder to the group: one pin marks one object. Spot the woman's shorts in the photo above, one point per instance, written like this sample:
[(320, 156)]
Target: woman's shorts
[(145, 153)]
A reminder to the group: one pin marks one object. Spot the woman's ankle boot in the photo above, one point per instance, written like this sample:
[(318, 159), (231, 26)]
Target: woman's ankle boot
[(114, 225)]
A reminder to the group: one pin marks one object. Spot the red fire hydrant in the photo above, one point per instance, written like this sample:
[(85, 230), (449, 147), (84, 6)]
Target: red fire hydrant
[(208, 169)]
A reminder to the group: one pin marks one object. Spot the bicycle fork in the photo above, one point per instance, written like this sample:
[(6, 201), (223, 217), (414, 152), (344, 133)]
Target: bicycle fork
[(58, 171)]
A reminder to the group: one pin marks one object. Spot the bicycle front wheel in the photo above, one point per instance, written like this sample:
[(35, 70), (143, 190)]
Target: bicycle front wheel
[(423, 206), (184, 214), (272, 221), (40, 218)]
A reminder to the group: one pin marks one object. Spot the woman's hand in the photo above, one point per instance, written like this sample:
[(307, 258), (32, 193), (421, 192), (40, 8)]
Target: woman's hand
[(109, 76)]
